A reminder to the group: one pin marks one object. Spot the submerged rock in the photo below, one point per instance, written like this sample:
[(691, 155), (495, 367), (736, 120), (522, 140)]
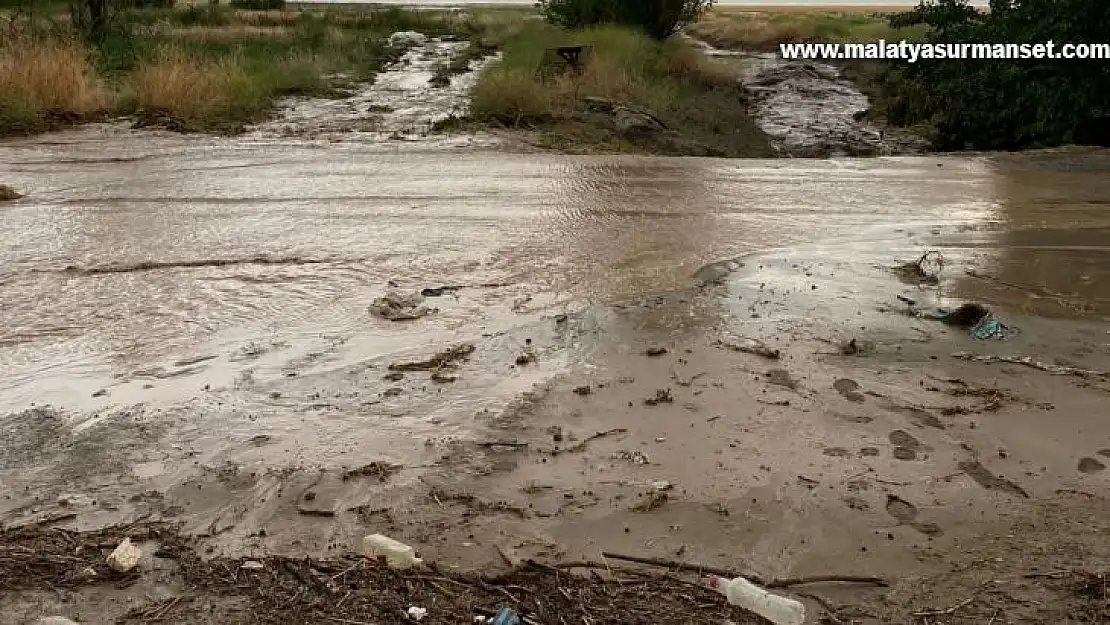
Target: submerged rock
[(407, 38), (397, 306), (7, 193)]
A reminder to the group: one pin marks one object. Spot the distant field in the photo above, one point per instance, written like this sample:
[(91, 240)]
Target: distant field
[(813, 8)]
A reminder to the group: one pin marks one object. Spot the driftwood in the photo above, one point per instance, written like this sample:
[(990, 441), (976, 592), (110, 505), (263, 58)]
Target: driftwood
[(1029, 362), (774, 583)]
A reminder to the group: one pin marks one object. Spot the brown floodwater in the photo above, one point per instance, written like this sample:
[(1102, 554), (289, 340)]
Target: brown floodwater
[(200, 276)]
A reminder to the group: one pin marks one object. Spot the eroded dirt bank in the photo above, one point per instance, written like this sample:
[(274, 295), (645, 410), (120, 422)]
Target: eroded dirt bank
[(188, 336)]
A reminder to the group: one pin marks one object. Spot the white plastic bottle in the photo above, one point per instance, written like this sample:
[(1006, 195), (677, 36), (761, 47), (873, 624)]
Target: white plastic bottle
[(397, 554), (778, 610)]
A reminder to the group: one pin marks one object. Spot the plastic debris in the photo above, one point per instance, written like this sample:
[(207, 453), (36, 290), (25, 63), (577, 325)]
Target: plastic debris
[(417, 613), (252, 565), (980, 321), (8, 194), (54, 620), (397, 555), (125, 557), (988, 327), (741, 592), (506, 616)]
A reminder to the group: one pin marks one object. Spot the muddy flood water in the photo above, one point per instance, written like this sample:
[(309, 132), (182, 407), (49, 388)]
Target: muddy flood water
[(186, 332)]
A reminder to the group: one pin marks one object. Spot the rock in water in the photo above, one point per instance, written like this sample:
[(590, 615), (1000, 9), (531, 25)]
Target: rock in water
[(633, 123), (407, 38), (7, 193), (397, 306)]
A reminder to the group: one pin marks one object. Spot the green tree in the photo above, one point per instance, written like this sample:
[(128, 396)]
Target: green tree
[(658, 18), (1005, 103)]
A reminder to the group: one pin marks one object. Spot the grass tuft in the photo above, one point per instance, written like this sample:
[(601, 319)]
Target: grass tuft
[(182, 86), (44, 79), (764, 30)]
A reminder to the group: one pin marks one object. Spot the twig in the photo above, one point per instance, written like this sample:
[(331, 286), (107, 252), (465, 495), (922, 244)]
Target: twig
[(336, 619), (1029, 362), (347, 570), (830, 609), (946, 611), (581, 445), (432, 578), (994, 616), (823, 579), (43, 521), (166, 608), (678, 566), (1056, 573), (777, 583), (586, 564)]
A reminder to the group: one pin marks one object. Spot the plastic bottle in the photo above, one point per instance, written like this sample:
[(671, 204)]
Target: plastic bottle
[(398, 555), (741, 592)]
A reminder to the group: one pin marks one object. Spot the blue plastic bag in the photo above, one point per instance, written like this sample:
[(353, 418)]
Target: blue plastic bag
[(506, 616)]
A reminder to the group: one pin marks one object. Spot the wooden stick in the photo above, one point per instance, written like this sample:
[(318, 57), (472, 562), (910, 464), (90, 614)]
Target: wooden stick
[(777, 583)]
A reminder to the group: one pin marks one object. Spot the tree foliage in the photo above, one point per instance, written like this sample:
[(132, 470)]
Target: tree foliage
[(1002, 103), (658, 18)]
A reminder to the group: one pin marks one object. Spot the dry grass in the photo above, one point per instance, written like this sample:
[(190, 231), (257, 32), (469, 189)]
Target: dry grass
[(49, 76), (764, 30), (230, 33), (186, 87)]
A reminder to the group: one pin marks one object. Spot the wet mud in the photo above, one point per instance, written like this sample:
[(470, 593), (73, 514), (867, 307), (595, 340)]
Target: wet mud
[(576, 395)]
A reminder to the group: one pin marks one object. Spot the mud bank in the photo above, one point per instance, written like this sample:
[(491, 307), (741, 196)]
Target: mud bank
[(809, 110)]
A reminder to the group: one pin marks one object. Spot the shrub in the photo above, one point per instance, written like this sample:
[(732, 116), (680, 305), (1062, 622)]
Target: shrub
[(258, 5), (1000, 103), (48, 77), (626, 66), (185, 87), (198, 15), (658, 18), (149, 4)]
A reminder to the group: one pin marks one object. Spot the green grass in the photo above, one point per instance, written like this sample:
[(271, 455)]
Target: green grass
[(696, 96)]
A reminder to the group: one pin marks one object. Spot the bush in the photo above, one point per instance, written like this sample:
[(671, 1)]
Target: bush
[(198, 15), (48, 77), (626, 66), (185, 87), (1005, 104), (258, 5), (150, 4), (658, 18)]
